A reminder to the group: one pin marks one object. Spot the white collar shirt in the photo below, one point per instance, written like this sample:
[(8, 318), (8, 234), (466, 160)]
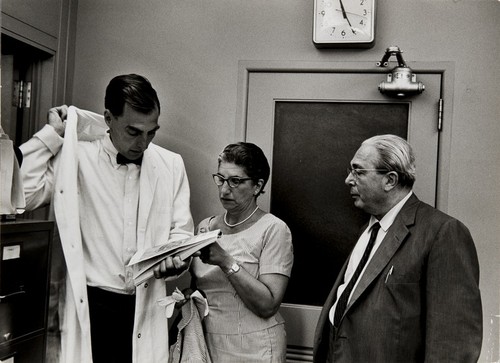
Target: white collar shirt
[(360, 247), (108, 199)]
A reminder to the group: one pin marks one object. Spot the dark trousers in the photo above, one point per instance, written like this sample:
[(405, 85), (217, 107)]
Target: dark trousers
[(111, 325)]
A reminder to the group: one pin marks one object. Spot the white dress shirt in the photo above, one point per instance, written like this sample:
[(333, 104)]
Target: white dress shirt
[(110, 239), (360, 247)]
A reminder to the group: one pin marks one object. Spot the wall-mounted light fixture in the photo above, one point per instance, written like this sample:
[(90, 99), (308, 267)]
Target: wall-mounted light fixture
[(401, 82)]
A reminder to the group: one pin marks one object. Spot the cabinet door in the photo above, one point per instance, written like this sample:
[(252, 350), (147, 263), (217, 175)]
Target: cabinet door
[(30, 350), (24, 285)]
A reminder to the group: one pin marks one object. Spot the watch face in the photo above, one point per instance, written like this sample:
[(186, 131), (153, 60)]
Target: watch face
[(344, 21)]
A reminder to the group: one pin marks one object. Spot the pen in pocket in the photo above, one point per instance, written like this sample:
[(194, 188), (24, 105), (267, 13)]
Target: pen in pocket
[(389, 274)]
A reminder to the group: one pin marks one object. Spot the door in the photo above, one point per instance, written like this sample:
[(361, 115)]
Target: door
[(309, 125), (27, 74)]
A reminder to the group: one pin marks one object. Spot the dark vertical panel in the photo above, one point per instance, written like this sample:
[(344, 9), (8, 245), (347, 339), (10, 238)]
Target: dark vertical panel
[(313, 145)]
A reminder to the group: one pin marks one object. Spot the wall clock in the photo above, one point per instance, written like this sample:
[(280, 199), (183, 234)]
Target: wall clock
[(344, 23)]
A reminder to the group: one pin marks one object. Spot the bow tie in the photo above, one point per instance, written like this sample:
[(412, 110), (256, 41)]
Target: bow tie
[(120, 159)]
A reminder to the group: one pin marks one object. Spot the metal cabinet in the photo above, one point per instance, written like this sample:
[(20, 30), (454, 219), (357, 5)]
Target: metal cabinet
[(24, 289)]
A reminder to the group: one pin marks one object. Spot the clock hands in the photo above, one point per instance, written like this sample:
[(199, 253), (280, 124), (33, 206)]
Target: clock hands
[(344, 14), (350, 13), (344, 22)]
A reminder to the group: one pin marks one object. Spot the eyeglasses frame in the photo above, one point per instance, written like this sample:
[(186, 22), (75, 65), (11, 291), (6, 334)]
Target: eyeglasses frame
[(355, 171), (240, 180)]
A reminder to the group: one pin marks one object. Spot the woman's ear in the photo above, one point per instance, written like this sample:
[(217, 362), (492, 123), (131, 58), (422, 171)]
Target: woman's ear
[(258, 186)]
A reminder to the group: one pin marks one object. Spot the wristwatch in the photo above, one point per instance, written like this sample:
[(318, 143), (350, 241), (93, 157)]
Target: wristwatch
[(234, 268)]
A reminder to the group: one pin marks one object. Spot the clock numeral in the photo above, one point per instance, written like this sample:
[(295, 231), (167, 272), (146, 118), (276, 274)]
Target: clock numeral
[(362, 2), (343, 33), (333, 30)]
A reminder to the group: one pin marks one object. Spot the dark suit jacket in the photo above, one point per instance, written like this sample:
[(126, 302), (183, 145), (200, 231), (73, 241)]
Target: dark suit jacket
[(427, 310)]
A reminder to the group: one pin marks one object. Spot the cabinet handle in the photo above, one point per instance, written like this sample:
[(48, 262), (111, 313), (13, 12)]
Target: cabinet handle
[(4, 297)]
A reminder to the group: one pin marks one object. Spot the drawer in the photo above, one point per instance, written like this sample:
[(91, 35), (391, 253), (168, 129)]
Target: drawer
[(24, 273), (30, 350)]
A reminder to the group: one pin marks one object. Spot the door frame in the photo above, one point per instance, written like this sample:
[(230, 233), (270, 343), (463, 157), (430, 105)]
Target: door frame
[(446, 69)]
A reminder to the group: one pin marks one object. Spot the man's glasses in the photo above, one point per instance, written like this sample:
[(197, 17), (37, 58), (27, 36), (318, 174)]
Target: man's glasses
[(232, 181), (356, 171)]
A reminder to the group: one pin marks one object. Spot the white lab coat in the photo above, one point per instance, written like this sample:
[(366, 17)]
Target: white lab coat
[(163, 180)]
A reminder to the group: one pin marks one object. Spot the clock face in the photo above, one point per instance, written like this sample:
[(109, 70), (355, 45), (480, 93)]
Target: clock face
[(344, 22)]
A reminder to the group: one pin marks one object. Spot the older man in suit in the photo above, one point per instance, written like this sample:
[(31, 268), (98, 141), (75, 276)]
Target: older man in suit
[(409, 290)]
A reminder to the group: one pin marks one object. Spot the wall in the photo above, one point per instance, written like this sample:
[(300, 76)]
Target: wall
[(190, 51), (47, 26)]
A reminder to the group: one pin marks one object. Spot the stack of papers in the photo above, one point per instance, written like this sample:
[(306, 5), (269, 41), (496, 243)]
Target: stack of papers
[(145, 261)]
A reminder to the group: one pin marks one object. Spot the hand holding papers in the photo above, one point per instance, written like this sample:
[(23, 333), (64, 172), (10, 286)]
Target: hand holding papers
[(145, 261)]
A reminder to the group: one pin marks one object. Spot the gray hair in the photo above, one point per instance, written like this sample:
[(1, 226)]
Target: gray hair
[(395, 154)]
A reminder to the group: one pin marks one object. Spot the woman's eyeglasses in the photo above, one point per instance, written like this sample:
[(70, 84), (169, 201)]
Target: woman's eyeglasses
[(232, 181)]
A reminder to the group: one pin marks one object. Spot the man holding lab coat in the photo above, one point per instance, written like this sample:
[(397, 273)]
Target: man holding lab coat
[(114, 194)]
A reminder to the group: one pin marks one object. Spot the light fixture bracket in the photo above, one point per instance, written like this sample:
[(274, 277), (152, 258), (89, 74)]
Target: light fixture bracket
[(401, 82)]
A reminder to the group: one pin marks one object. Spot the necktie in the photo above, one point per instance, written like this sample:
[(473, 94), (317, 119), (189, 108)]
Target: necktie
[(120, 159), (344, 298)]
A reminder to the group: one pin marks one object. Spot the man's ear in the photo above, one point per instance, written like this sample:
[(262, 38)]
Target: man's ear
[(392, 179), (108, 116)]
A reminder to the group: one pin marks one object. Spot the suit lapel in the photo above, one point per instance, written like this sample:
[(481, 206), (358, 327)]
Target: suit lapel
[(323, 327), (333, 292), (390, 244), (324, 319)]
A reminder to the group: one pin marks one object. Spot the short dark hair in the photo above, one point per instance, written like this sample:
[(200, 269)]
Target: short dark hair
[(250, 157), (133, 90)]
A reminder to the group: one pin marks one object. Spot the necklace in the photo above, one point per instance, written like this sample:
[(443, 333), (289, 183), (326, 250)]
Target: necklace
[(243, 221)]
